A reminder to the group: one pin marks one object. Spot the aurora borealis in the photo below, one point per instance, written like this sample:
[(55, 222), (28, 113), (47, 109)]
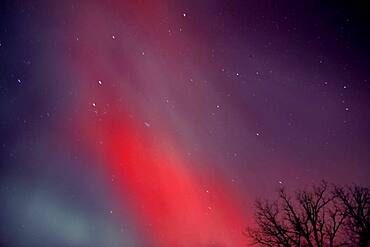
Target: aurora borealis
[(157, 123)]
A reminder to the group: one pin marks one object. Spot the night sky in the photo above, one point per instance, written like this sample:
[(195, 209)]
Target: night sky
[(158, 123)]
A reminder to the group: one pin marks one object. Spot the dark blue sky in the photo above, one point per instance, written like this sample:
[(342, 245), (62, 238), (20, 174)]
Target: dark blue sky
[(237, 98)]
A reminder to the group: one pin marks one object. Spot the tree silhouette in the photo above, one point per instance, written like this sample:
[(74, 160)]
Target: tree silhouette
[(321, 216), (355, 201)]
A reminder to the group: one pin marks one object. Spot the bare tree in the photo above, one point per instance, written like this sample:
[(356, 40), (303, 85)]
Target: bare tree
[(310, 218), (355, 201)]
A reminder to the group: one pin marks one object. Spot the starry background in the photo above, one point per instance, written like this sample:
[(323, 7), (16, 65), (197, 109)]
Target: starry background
[(157, 123)]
